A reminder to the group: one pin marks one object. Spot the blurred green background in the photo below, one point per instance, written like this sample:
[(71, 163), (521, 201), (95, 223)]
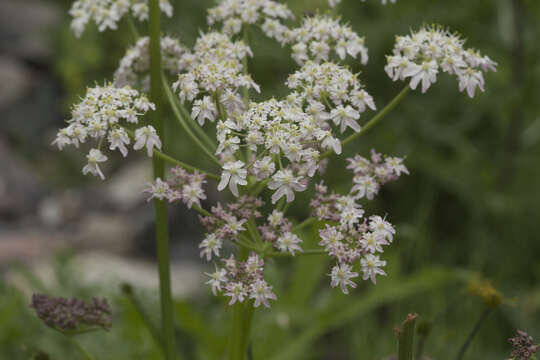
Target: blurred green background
[(470, 207)]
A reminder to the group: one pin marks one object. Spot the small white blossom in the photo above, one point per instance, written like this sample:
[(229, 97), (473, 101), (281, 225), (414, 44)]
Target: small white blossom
[(118, 139), (261, 292), (94, 158), (210, 245), (288, 242), (204, 109), (233, 175), (341, 276), (217, 278), (147, 136), (371, 267), (285, 184)]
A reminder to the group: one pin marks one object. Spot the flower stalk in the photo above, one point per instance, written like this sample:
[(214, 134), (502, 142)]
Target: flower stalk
[(162, 236)]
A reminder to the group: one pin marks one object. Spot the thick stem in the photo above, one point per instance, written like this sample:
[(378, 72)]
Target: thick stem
[(245, 89), (473, 333), (241, 323), (405, 336), (162, 236)]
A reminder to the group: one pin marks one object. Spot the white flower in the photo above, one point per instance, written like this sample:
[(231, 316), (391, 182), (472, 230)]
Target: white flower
[(233, 174), (237, 291), (381, 228), (345, 117), (360, 99), (365, 186), (204, 109), (260, 291), (118, 139), (263, 168), (193, 194), (159, 190), (395, 164), (288, 242), (427, 73), (94, 158), (372, 243), (341, 275), (470, 79), (286, 184), (371, 267), (216, 279), (147, 136), (210, 245)]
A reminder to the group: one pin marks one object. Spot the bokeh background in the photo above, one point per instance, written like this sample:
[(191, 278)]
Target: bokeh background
[(470, 208)]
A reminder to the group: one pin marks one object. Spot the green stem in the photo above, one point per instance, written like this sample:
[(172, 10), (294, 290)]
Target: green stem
[(303, 253), (406, 338), (198, 129), (245, 89), (183, 123), (162, 236), (172, 160), (374, 120), (304, 223), (473, 333), (81, 349), (127, 289)]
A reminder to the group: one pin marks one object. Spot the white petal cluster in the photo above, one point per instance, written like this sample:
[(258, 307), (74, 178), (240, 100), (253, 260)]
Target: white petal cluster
[(100, 116), (234, 14), (333, 3), (423, 54), (319, 37), (107, 13), (214, 66), (135, 65), (332, 92)]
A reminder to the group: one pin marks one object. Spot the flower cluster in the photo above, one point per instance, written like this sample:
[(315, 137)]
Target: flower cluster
[(369, 175), (524, 348), (102, 115), (331, 92), (278, 232), (234, 14), (242, 280), (107, 13), (135, 65), (228, 223), (181, 186), (333, 3), (278, 127), (350, 236), (353, 238), (71, 314), (421, 55), (214, 67), (315, 39)]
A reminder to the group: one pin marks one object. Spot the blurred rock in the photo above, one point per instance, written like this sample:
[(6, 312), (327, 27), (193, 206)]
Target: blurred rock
[(22, 190), (108, 272), (125, 189), (29, 246), (24, 28), (15, 81), (113, 233)]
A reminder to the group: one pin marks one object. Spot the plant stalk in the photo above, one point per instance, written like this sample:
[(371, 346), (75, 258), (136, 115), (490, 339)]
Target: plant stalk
[(473, 333), (162, 236)]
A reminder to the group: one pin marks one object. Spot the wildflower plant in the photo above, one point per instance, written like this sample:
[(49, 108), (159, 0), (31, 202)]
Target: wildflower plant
[(264, 152)]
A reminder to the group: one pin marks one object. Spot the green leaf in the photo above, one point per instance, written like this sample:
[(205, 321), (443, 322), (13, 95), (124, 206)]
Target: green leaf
[(343, 310)]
